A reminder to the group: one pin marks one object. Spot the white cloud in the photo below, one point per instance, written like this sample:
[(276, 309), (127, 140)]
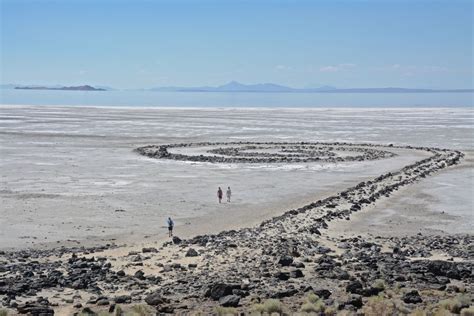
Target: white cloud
[(410, 70), (337, 68), (282, 67)]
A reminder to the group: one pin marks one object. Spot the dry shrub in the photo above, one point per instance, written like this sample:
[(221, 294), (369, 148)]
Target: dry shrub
[(140, 310), (454, 305), (317, 307), (225, 311), (379, 306), (418, 312), (379, 284), (270, 306)]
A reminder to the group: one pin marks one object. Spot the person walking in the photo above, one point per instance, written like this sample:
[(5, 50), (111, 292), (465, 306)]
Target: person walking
[(219, 194), (170, 227), (228, 193)]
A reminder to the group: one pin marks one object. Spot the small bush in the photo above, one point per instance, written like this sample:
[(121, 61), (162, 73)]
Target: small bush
[(118, 311), (269, 306), (441, 312), (330, 311), (3, 312), (312, 298), (418, 312), (454, 305), (224, 311), (140, 310), (379, 284), (378, 305), (467, 311), (313, 307)]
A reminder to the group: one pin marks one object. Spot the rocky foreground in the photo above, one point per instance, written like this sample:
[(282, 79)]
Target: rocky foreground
[(287, 264)]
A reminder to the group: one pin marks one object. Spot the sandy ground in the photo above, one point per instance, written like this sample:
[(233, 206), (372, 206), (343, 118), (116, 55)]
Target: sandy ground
[(66, 170), (439, 204)]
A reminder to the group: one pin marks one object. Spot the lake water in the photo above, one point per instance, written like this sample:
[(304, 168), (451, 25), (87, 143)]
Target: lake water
[(226, 99)]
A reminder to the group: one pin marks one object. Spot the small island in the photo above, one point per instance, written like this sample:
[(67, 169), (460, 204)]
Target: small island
[(73, 88)]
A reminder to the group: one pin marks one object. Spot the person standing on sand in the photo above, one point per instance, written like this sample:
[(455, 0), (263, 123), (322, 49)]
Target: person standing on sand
[(219, 194), (170, 227), (228, 194)]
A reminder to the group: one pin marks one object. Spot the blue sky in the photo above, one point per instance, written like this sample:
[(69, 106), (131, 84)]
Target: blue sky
[(141, 44)]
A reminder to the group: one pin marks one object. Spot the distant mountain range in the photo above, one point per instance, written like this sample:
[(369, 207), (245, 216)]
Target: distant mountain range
[(73, 88), (54, 87), (235, 86)]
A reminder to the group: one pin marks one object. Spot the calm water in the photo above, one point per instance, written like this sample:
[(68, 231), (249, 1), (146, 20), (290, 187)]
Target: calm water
[(203, 99)]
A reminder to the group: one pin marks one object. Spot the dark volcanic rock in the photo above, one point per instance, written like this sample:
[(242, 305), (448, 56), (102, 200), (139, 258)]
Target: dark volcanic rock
[(354, 287), (354, 300), (218, 290), (192, 253), (123, 299), (282, 275), (155, 299), (322, 293), (149, 250), (229, 301), (35, 309), (412, 297), (285, 260), (284, 293), (296, 273)]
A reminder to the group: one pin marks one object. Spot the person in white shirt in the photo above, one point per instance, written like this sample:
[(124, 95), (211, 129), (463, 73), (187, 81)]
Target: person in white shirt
[(228, 194)]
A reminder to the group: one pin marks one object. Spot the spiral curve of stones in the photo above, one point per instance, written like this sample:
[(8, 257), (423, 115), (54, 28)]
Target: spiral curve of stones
[(266, 152)]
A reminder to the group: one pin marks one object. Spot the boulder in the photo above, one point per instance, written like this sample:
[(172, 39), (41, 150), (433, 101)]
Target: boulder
[(155, 299), (412, 297), (354, 287), (285, 261), (218, 290), (123, 299), (192, 253), (229, 301), (283, 276), (322, 293), (149, 250), (296, 273), (354, 300)]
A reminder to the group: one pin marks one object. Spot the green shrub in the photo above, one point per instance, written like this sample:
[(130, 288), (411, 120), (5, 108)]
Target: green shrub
[(418, 312), (269, 306), (3, 312), (313, 307), (224, 311), (378, 305), (379, 284), (312, 298), (442, 312), (330, 311), (118, 311), (454, 305)]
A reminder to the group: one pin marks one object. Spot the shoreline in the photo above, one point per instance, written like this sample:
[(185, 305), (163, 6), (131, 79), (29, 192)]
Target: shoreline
[(250, 108), (274, 240)]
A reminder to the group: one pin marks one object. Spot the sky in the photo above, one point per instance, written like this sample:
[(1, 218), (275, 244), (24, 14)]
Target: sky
[(143, 44)]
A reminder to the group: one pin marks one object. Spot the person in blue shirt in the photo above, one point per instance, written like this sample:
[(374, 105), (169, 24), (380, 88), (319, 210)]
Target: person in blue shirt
[(170, 227)]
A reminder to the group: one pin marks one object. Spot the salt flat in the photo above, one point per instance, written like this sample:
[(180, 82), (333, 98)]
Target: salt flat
[(66, 170)]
